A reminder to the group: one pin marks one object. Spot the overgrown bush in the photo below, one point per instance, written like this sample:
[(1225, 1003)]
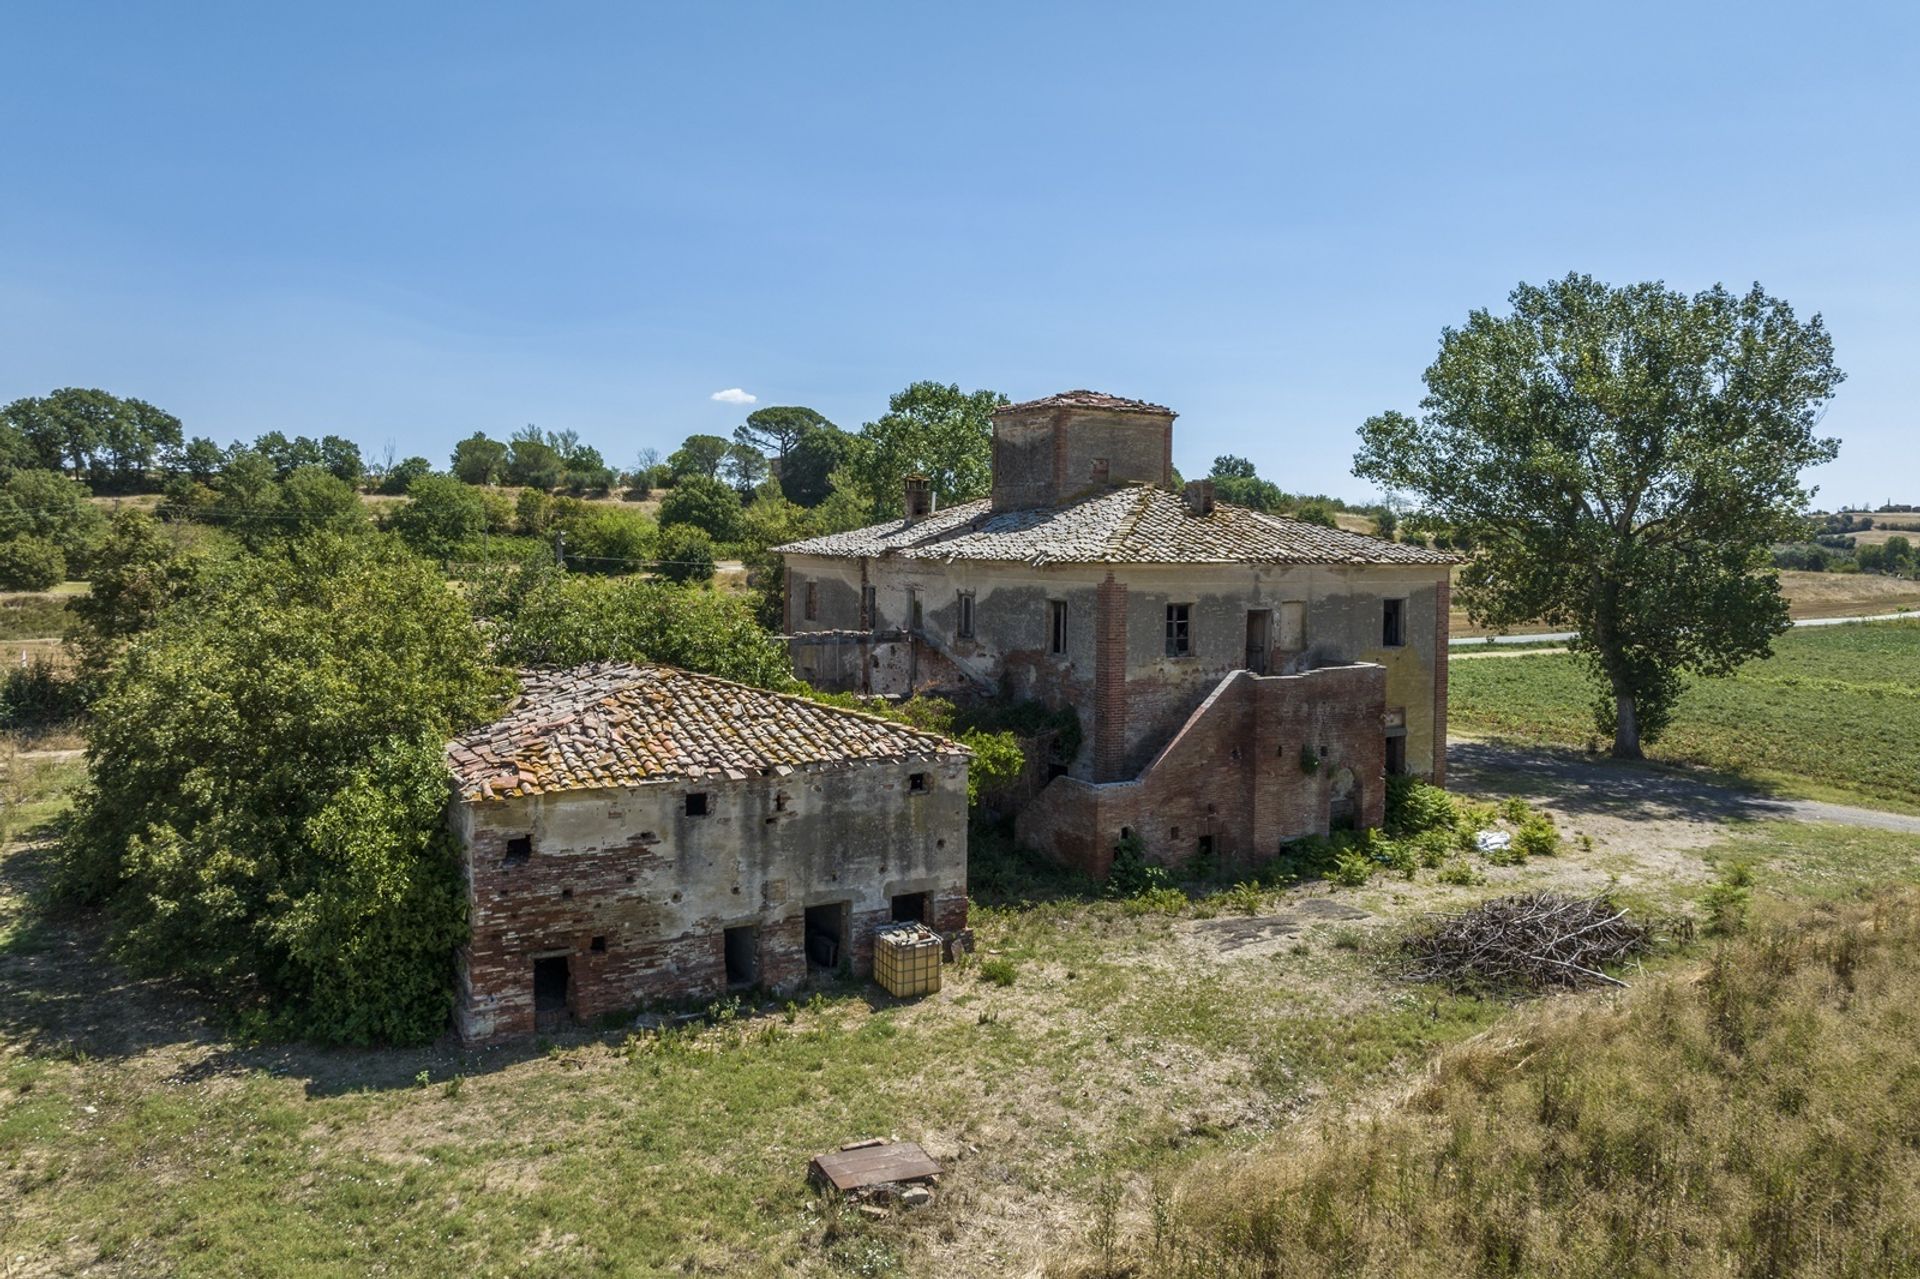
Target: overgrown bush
[(31, 564), (1537, 836), (1415, 805), (999, 971), (1131, 874), (1726, 904), (39, 694), (685, 555), (266, 813), (1352, 868)]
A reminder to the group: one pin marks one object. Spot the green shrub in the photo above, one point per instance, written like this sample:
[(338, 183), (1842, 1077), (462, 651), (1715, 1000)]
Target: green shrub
[(1727, 903), (1514, 809), (1156, 901), (1415, 805), (39, 695), (999, 970), (1460, 871), (1431, 847), (1469, 820), (686, 554), (31, 564), (1130, 874), (1352, 868), (1537, 836), (1246, 898)]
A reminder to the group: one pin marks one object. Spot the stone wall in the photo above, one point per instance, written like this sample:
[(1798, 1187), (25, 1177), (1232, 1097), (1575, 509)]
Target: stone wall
[(1230, 784), (636, 893), (1045, 456)]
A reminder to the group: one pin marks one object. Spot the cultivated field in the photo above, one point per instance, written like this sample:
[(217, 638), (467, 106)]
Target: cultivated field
[(1833, 711), (1808, 595), (1078, 1070)]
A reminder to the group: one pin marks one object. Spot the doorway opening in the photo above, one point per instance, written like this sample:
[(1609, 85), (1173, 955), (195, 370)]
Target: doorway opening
[(1396, 755), (914, 908), (551, 993), (742, 946), (827, 926), (1259, 638)]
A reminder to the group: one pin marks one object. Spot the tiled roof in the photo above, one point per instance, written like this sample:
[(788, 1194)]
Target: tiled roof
[(1139, 524), (614, 724), (1088, 400)]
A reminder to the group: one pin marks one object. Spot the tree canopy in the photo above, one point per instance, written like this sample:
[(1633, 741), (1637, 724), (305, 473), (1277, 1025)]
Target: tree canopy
[(266, 811), (933, 430), (1621, 458)]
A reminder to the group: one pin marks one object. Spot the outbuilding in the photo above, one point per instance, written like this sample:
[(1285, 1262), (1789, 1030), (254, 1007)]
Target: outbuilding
[(638, 833)]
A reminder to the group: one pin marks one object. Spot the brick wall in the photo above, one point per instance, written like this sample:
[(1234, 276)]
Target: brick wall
[(636, 895), (1232, 774), (1442, 637), (1110, 681)]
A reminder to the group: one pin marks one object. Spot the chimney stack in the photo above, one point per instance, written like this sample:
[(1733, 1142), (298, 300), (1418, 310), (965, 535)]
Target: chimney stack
[(1199, 497), (919, 497)]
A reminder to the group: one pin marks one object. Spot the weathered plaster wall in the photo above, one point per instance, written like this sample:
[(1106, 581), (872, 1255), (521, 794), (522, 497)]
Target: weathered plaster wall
[(1232, 776), (658, 887), (1045, 456)]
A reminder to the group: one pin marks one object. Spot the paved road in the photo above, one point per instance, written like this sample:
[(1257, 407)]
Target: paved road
[(1561, 637), (1578, 781)]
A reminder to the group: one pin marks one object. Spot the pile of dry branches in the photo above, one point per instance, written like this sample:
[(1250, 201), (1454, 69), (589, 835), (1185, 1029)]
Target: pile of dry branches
[(1533, 940)]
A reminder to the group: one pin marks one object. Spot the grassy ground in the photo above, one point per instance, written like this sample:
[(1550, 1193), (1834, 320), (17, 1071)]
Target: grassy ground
[(1832, 713), (1752, 1113), (1110, 1049)]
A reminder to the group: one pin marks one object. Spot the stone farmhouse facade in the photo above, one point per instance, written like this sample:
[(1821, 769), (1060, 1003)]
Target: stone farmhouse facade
[(1242, 678), (640, 833)]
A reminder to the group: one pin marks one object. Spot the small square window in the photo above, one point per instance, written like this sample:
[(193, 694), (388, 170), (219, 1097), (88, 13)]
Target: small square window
[(1179, 630), (696, 803), (917, 784), (963, 622), (1393, 623), (599, 946), (519, 850), (1057, 627)]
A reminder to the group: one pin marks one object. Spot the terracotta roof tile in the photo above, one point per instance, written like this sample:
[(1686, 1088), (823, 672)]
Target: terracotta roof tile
[(1088, 400), (1134, 525), (614, 724)]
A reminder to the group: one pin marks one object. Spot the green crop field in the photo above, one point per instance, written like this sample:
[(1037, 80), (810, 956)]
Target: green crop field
[(1836, 709)]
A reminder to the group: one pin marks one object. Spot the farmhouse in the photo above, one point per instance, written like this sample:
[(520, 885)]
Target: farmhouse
[(633, 833), (1243, 678)]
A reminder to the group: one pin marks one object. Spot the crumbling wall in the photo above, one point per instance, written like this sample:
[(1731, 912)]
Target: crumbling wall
[(636, 893), (1230, 784)]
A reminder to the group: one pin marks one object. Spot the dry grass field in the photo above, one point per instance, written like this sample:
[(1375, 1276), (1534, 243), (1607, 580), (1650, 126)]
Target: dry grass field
[(1808, 595)]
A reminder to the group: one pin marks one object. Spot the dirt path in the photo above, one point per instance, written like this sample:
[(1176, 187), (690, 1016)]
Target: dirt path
[(1577, 783), (1502, 652)]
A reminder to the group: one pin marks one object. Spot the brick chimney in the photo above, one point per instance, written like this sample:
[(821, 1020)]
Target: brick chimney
[(918, 495), (1199, 497)]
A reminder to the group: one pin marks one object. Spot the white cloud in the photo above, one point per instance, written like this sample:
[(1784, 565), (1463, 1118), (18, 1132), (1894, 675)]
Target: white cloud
[(733, 395)]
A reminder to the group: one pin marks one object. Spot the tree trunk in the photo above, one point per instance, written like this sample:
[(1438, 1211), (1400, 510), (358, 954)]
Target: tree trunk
[(1626, 726)]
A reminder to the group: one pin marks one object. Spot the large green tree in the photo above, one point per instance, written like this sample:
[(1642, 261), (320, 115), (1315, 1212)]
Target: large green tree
[(93, 434), (806, 472), (48, 505), (1621, 458), (938, 431), (266, 810)]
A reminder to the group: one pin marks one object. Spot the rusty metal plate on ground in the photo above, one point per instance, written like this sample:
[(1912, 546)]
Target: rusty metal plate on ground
[(875, 1165)]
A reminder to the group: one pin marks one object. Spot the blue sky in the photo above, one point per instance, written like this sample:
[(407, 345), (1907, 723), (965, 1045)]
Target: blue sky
[(407, 223)]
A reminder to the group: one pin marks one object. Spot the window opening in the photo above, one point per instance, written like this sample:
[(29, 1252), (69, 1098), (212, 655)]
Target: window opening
[(1179, 629), (696, 803), (1392, 623), (519, 850), (742, 947), (1056, 627), (963, 624)]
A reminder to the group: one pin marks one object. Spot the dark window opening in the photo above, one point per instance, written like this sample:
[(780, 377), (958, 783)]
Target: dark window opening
[(1393, 623), (913, 608), (599, 946), (917, 783), (1056, 627), (780, 802), (696, 803), (1259, 634), (1396, 756), (913, 908), (742, 946), (1175, 834), (566, 894), (869, 609), (1179, 630), (813, 601), (826, 933), (963, 625), (1205, 848), (550, 992), (519, 850)]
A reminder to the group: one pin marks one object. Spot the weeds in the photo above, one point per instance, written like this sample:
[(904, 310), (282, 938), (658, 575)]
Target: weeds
[(999, 970), (1728, 901)]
